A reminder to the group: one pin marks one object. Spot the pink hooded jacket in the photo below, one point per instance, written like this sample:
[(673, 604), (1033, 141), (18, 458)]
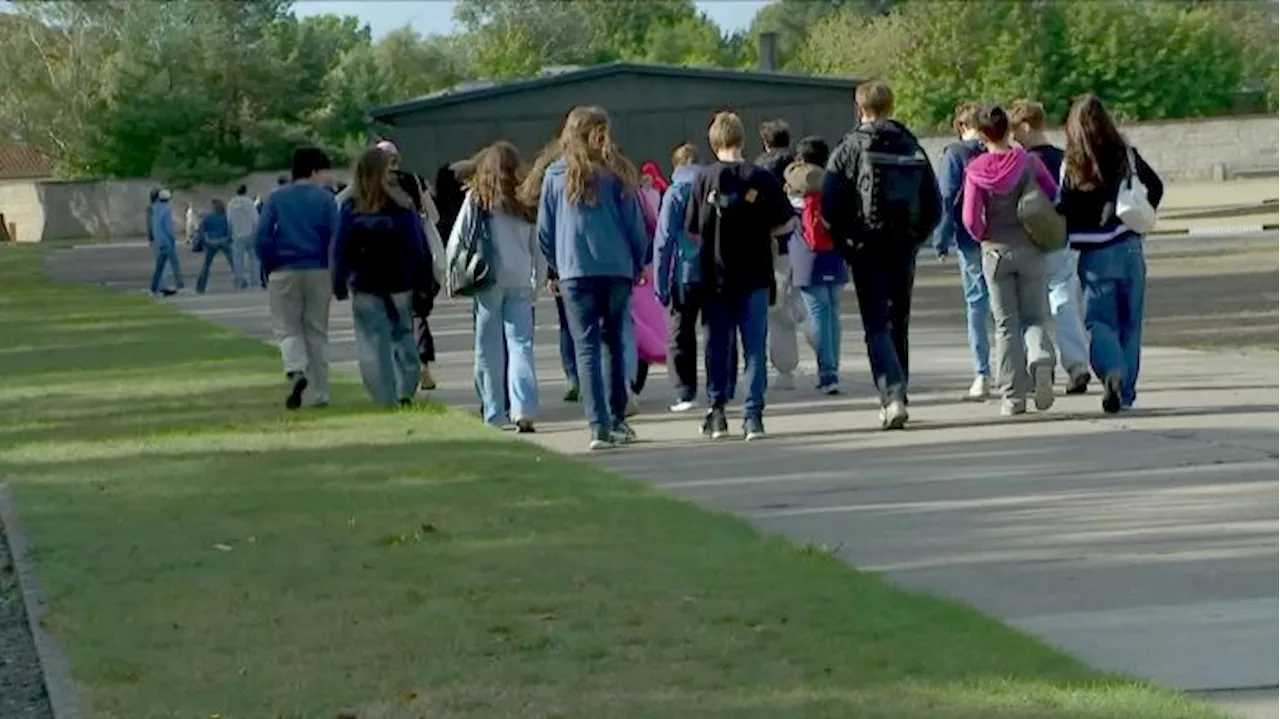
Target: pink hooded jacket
[(999, 173)]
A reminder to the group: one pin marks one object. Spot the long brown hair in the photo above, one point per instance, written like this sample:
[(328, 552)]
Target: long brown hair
[(373, 189), (1097, 155), (530, 190), (496, 180), (589, 152)]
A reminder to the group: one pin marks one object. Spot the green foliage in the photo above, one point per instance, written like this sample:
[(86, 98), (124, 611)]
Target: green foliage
[(1149, 60)]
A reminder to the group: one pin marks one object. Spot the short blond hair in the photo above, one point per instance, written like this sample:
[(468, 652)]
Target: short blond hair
[(685, 154), (1028, 112), (874, 98), (727, 131)]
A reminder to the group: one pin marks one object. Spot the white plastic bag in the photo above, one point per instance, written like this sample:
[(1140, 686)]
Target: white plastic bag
[(1132, 206)]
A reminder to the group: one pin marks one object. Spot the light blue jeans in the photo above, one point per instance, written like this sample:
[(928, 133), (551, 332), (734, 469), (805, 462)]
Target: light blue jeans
[(505, 315), (1115, 289), (385, 346), (166, 256), (822, 304), (244, 255), (1064, 286), (977, 302)]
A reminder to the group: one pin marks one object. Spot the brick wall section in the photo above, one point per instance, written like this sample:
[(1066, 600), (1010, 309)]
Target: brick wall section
[(1218, 148)]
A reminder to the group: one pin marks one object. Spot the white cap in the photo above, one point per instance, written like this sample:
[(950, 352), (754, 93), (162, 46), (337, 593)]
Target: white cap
[(164, 195)]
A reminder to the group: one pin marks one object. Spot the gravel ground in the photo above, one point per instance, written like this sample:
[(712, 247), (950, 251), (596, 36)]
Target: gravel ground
[(22, 691)]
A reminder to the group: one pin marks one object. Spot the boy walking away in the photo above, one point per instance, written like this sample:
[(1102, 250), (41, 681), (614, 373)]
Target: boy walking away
[(880, 198), (817, 269), (997, 186), (299, 221), (950, 236), (243, 217), (1027, 120), (677, 277), (164, 243), (786, 311), (737, 209)]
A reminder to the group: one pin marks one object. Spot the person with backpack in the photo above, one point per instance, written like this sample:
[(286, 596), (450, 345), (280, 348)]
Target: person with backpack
[(380, 259), (817, 269), (786, 312), (591, 231), (1026, 119), (1109, 198), (676, 277), (504, 310), (295, 233), (737, 209), (880, 199), (999, 187), (950, 236)]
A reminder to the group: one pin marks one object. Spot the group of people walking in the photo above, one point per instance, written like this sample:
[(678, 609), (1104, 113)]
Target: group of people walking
[(1048, 242)]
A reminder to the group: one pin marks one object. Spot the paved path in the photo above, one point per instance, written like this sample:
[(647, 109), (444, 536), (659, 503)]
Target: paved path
[(1144, 543)]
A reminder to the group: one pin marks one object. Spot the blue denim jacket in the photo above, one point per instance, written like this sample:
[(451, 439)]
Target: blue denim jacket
[(675, 251), (603, 238), (950, 233)]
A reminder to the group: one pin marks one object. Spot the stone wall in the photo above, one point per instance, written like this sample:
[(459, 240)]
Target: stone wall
[(1207, 149)]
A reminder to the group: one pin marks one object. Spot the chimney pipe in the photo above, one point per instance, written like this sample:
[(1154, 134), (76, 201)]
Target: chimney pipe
[(768, 51)]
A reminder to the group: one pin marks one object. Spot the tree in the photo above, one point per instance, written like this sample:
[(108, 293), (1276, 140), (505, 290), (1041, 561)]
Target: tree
[(793, 19)]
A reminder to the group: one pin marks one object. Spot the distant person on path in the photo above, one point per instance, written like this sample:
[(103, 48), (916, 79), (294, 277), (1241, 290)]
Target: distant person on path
[(295, 234), (1113, 270), (1027, 120), (737, 209), (1013, 265), (591, 231), (151, 206), (818, 271), (164, 243), (192, 228), (505, 365), (214, 236), (243, 216), (951, 236), (881, 207), (787, 310), (380, 257)]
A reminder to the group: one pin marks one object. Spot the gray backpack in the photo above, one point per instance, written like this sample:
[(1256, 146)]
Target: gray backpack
[(1039, 216)]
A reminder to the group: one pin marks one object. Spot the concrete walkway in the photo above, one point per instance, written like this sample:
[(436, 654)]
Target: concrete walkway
[(1144, 543)]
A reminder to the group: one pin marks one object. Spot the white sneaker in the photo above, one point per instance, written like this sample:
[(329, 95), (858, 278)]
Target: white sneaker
[(633, 405), (979, 390), (786, 382), (894, 416), (1012, 407), (1043, 377), (683, 405)]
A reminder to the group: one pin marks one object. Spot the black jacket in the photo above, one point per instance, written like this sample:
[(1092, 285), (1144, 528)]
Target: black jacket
[(1091, 220), (380, 254), (840, 200)]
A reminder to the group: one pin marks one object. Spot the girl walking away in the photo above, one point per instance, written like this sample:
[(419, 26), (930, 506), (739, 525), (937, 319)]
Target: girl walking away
[(1101, 178), (380, 257), (591, 231), (995, 184), (817, 270), (505, 367), (214, 235)]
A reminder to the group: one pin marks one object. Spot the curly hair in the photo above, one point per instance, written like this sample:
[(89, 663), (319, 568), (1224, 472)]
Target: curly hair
[(590, 153), (496, 181), (530, 191)]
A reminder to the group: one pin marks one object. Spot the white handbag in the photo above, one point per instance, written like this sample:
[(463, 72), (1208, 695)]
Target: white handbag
[(1132, 206)]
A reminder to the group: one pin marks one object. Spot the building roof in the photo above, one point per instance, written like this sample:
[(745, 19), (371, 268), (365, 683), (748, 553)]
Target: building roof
[(468, 92), (20, 162)]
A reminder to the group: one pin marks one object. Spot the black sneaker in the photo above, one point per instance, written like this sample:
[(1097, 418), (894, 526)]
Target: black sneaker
[(601, 439), (753, 429), (715, 425), (294, 400), (1078, 383), (571, 394), (1111, 394), (623, 434), (525, 426)]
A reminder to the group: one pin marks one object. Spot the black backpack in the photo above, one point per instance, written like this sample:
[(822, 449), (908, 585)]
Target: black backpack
[(897, 192), (722, 212)]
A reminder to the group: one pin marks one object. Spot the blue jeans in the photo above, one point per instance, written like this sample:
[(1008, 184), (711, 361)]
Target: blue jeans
[(166, 256), (977, 303), (504, 319), (568, 357), (1114, 279), (822, 303), (212, 248), (385, 348), (746, 316), (1060, 269), (596, 308), (244, 254)]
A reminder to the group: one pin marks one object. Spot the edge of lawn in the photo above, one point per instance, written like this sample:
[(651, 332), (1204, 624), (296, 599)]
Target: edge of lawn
[(1065, 687)]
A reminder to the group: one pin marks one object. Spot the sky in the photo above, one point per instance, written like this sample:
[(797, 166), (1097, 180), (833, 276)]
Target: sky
[(436, 16)]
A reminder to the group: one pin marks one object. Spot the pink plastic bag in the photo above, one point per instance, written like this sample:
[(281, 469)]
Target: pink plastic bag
[(650, 204), (650, 321)]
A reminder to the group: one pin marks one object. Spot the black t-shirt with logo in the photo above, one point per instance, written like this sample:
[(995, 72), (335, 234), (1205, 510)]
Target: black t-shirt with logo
[(734, 208)]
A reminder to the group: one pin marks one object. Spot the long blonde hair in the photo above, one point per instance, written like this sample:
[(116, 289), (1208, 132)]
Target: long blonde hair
[(496, 180), (530, 191), (373, 188), (589, 152)]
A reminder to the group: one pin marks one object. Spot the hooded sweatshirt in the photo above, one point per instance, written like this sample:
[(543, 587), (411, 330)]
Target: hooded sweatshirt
[(991, 180), (809, 267), (675, 251), (162, 232), (601, 238)]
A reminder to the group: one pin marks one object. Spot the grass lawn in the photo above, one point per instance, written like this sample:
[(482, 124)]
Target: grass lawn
[(207, 554)]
